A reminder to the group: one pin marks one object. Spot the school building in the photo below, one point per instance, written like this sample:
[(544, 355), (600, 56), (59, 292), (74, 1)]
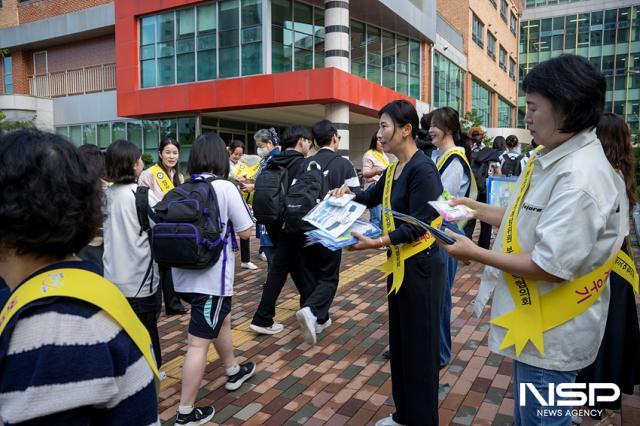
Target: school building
[(97, 70)]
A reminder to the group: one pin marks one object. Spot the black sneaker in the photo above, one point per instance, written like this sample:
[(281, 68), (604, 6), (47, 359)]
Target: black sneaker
[(198, 416), (234, 382)]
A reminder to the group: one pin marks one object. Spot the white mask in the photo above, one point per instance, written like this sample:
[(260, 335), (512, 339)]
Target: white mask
[(262, 152)]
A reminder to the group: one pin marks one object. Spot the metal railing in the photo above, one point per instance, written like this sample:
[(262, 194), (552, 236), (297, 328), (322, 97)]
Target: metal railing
[(97, 78)]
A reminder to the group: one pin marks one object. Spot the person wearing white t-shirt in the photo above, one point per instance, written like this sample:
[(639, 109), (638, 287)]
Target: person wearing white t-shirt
[(567, 219), (209, 290)]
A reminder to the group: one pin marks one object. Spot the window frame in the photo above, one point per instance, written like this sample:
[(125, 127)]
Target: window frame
[(504, 9), (476, 22), (491, 45)]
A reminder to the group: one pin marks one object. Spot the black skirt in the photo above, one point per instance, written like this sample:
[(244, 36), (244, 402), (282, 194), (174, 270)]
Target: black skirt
[(617, 361)]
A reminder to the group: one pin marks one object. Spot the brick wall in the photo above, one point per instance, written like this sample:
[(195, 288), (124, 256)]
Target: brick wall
[(22, 67), (85, 53), (35, 10), (426, 73), (9, 13)]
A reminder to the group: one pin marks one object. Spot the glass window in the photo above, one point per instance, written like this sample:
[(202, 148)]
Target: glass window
[(75, 135), (388, 60), (623, 25), (281, 36), (557, 38), (303, 36), (583, 30), (414, 69), (357, 49), (534, 36), (477, 31), (504, 113), (491, 46), (118, 130), (609, 35), (503, 59), (635, 24), (63, 131), (206, 44), (503, 10), (512, 69), (7, 74), (571, 32), (513, 23), (134, 133), (186, 131), (318, 38), (104, 135), (89, 134), (151, 136), (251, 37), (545, 35), (402, 65), (481, 102), (168, 129), (448, 84), (374, 54), (229, 34), (185, 45)]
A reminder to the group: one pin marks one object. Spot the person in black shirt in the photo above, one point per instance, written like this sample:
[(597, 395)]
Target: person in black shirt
[(296, 141), (321, 266), (414, 310)]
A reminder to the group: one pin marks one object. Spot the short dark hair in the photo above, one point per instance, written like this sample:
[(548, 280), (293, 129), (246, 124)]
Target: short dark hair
[(512, 141), (94, 159), (323, 132), (575, 88), (234, 144), (402, 112), (209, 155), (499, 143), (50, 201), (121, 157), (292, 134)]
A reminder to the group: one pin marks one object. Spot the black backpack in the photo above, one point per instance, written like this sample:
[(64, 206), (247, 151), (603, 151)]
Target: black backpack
[(270, 192), (187, 233), (307, 191), (512, 166)]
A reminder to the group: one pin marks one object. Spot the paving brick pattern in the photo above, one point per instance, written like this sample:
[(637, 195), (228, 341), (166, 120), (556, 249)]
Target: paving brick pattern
[(344, 379)]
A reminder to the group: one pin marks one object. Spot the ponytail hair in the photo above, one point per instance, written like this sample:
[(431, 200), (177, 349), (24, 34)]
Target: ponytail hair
[(448, 120)]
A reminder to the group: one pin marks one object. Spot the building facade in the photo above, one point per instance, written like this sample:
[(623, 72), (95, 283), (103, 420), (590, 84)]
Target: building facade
[(607, 33)]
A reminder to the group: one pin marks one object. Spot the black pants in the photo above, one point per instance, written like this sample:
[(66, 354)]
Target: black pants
[(286, 259), (147, 310), (171, 300), (245, 251), (320, 274), (484, 240), (414, 339)]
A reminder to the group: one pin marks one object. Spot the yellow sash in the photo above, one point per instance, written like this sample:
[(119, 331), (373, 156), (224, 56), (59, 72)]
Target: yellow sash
[(395, 264), (381, 158), (161, 178), (91, 288), (535, 314), (459, 151)]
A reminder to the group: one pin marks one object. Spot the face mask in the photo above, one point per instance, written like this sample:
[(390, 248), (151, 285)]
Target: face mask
[(262, 152)]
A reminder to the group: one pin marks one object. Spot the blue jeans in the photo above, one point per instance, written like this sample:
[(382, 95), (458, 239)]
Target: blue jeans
[(451, 265), (533, 413), (375, 215)]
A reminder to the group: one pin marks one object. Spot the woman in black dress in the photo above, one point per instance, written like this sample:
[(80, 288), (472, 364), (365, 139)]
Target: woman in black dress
[(415, 297), (617, 361)]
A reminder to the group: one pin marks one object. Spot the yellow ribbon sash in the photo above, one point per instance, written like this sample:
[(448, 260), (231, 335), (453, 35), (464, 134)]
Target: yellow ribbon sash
[(395, 263), (459, 151), (535, 314), (91, 288), (381, 158), (161, 178)]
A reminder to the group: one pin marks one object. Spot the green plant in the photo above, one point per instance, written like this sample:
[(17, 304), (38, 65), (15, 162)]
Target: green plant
[(6, 126), (147, 159)]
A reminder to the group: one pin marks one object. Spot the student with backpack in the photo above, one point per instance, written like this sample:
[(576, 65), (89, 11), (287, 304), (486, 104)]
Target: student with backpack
[(319, 174), (457, 179), (67, 356), (512, 162), (127, 249), (269, 207), (196, 226), (161, 178)]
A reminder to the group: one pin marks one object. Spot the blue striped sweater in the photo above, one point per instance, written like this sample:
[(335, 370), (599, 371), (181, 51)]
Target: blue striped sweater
[(66, 362)]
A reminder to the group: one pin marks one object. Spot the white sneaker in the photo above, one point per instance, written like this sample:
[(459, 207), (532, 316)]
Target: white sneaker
[(248, 265), (387, 421), (321, 327), (263, 256), (162, 375), (307, 322), (274, 329)]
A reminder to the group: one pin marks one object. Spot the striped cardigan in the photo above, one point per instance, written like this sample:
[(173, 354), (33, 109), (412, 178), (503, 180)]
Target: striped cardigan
[(64, 361)]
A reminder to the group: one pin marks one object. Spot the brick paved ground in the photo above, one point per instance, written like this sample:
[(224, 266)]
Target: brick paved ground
[(344, 379)]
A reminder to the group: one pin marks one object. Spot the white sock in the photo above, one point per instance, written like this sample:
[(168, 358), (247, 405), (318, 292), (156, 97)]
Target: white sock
[(185, 409), (233, 370)]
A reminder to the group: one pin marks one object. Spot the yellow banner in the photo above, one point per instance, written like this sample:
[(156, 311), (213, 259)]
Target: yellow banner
[(395, 263), (459, 151), (91, 288), (533, 314), (162, 178)]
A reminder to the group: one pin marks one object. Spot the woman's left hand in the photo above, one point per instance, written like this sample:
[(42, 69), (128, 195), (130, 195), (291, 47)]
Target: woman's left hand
[(247, 187), (364, 243), (463, 249)]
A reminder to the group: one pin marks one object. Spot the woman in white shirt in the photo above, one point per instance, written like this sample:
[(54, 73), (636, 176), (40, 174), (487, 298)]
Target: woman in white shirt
[(127, 252), (558, 240), (209, 290)]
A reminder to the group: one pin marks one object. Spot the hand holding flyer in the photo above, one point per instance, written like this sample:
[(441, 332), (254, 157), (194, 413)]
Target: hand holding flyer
[(452, 213)]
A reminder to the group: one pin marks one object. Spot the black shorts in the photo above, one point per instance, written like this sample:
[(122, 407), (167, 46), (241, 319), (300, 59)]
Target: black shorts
[(207, 313)]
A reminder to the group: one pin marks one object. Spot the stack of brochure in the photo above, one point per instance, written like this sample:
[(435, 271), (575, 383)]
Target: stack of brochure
[(346, 239)]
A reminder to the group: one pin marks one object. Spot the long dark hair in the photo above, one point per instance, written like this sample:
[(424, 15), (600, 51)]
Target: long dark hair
[(615, 137), (402, 113), (373, 145), (94, 159), (163, 145), (448, 120), (121, 157), (209, 155)]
